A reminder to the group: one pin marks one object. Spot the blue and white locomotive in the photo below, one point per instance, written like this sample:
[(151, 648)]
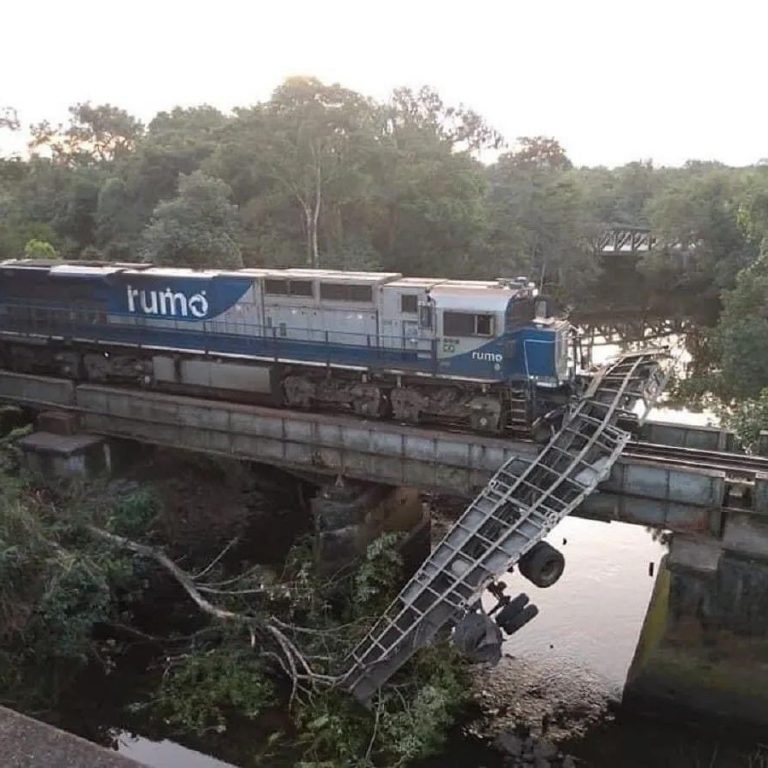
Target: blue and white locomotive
[(377, 344)]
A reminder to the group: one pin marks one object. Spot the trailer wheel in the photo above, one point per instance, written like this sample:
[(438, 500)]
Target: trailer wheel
[(478, 638), (541, 432), (511, 609), (520, 619), (543, 565)]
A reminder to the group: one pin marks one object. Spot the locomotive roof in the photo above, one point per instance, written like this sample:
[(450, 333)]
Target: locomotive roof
[(473, 289), (465, 296), (338, 275), (416, 282)]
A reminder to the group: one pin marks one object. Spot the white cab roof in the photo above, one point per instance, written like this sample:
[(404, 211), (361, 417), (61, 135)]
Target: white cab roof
[(473, 297)]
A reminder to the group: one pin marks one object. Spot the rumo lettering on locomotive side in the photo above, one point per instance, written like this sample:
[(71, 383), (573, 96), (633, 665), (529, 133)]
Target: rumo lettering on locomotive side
[(491, 357), (166, 303)]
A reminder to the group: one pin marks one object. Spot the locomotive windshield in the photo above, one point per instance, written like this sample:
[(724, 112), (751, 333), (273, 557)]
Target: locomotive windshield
[(520, 313)]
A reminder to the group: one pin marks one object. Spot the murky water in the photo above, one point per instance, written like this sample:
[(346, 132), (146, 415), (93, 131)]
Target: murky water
[(564, 671), (164, 754), (591, 619)]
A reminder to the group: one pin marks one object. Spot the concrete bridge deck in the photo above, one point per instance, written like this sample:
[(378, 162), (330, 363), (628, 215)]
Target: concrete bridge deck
[(680, 495)]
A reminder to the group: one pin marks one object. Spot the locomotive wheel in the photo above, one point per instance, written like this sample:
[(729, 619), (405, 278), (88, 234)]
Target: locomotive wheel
[(484, 421), (369, 401), (543, 565)]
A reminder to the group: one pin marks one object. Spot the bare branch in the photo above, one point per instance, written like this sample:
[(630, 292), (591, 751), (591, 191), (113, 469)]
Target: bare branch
[(216, 559), (182, 577), (292, 661), (375, 731)]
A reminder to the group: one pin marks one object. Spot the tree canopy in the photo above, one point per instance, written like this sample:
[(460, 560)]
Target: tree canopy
[(198, 228), (320, 175)]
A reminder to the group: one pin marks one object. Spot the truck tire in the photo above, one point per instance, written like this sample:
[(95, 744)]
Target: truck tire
[(543, 565), (541, 431), (477, 637), (520, 619), (510, 610)]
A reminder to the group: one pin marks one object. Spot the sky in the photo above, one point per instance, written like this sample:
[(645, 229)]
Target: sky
[(613, 81)]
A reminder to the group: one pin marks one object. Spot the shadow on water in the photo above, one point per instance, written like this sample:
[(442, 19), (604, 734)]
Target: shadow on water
[(631, 741)]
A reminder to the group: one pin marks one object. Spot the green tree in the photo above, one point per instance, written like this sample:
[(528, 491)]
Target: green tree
[(748, 418), (39, 249), (539, 153), (118, 220), (700, 242), (95, 134), (426, 207), (176, 142), (741, 335), (539, 225), (424, 112), (198, 228), (306, 139)]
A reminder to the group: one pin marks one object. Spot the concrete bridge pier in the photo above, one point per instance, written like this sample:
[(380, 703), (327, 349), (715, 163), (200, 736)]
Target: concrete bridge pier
[(59, 449), (704, 644), (349, 515)]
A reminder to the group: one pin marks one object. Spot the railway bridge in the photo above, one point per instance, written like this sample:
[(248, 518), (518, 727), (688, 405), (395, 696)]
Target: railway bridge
[(676, 477), (683, 479)]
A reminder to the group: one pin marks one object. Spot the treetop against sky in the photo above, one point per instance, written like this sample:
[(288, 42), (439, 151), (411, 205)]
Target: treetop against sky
[(614, 82)]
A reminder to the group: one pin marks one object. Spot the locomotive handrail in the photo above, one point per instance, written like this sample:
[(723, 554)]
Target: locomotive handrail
[(419, 353), (56, 328)]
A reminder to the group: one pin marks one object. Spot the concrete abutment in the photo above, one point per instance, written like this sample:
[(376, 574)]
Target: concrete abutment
[(348, 516), (59, 449), (704, 644)]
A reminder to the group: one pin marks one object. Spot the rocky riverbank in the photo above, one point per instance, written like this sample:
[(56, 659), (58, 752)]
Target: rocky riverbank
[(524, 750)]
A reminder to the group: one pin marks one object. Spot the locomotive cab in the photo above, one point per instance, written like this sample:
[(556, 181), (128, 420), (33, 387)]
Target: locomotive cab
[(538, 340)]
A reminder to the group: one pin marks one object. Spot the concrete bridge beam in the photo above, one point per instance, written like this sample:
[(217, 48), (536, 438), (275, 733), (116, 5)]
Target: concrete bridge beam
[(371, 451)]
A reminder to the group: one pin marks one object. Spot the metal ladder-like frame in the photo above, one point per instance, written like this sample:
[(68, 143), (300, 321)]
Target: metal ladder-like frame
[(520, 505)]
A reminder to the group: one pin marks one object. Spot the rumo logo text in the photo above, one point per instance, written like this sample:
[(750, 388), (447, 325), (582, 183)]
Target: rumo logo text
[(490, 357), (166, 303)]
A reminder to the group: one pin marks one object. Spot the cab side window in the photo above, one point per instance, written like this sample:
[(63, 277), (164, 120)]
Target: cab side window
[(409, 305), (466, 324)]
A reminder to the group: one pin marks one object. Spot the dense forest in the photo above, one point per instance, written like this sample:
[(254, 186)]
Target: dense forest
[(323, 176)]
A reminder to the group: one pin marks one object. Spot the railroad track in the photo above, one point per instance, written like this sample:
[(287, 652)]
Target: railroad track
[(696, 457)]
